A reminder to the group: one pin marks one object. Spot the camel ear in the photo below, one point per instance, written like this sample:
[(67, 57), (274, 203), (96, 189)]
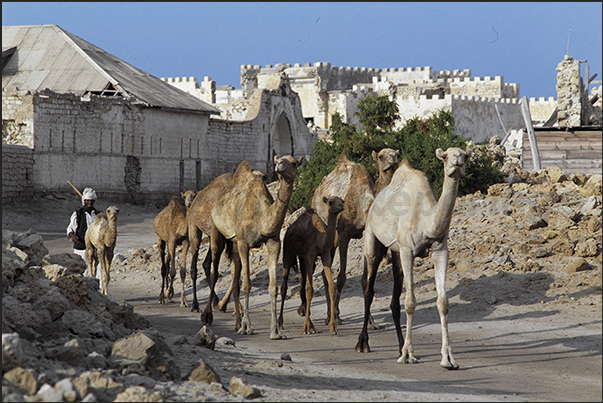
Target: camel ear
[(300, 160), (324, 199), (275, 159), (469, 152), (374, 154), (440, 154)]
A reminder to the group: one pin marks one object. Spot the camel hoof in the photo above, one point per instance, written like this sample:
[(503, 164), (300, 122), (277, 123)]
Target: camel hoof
[(221, 307), (407, 359), (362, 348), (207, 318), (449, 364), (276, 336), (301, 311)]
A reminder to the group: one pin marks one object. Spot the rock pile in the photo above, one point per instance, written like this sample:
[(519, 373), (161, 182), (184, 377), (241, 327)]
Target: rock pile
[(64, 341)]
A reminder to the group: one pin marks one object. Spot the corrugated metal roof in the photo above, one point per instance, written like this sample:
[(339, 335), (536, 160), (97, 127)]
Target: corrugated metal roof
[(47, 56)]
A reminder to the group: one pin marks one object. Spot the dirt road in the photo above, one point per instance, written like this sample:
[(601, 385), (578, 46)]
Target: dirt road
[(528, 351)]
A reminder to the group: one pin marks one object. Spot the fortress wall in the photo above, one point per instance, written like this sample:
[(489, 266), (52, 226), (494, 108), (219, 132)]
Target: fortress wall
[(476, 117), (421, 107), (491, 87), (541, 109)]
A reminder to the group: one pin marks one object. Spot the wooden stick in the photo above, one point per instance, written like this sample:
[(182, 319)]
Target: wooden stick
[(74, 188)]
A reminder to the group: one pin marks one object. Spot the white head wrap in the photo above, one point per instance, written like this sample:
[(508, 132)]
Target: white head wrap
[(88, 194)]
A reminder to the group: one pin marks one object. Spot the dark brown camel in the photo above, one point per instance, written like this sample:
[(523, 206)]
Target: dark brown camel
[(306, 239)]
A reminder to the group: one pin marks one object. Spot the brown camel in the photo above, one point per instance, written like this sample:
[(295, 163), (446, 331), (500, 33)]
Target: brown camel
[(306, 239), (100, 241), (171, 228), (351, 182), (406, 218), (199, 222), (247, 215)]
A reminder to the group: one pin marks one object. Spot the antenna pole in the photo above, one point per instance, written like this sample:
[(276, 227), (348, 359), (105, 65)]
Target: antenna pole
[(568, 41)]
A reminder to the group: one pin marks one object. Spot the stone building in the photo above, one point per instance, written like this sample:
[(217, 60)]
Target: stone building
[(73, 112)]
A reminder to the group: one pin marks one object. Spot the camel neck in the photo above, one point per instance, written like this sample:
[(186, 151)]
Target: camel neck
[(443, 212), (279, 207)]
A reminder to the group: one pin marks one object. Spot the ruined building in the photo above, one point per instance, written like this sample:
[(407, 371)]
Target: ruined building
[(73, 112)]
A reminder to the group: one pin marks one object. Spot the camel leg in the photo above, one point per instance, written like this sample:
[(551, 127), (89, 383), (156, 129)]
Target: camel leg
[(246, 288), (236, 288), (172, 270), (373, 253), (301, 311), (288, 262), (310, 266), (185, 245), (373, 325), (341, 277), (328, 274), (104, 269), (273, 248), (207, 267), (410, 303), (161, 245), (440, 258), (216, 246), (395, 303), (327, 290), (194, 237)]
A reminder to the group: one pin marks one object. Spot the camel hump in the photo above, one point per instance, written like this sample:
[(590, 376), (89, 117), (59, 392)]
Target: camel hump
[(343, 159), (242, 171)]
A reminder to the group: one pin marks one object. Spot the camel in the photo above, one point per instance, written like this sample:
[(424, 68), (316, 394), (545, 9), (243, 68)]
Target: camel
[(100, 241), (306, 239), (351, 182), (199, 222), (407, 219), (171, 228), (247, 215)]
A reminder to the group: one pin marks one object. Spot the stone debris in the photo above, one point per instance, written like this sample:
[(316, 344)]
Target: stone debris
[(537, 240)]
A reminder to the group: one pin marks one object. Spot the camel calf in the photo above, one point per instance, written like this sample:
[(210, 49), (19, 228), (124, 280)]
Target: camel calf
[(171, 228), (307, 238), (100, 243)]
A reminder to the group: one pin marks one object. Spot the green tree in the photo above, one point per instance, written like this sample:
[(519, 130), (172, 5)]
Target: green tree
[(417, 142)]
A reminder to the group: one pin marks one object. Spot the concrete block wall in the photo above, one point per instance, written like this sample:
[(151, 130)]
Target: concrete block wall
[(17, 173)]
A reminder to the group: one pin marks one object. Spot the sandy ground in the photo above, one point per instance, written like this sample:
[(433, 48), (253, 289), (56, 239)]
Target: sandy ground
[(531, 350)]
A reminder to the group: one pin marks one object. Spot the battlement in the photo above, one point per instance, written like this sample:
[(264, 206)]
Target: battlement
[(486, 79), (174, 80)]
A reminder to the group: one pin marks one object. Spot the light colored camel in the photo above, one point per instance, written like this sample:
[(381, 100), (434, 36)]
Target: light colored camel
[(353, 183), (306, 239), (100, 239), (171, 228), (247, 215), (406, 218)]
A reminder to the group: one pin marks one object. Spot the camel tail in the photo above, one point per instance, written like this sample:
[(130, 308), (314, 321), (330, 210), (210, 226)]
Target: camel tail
[(229, 250)]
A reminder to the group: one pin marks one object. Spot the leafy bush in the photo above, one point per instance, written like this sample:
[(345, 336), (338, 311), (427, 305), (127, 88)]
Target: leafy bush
[(417, 142)]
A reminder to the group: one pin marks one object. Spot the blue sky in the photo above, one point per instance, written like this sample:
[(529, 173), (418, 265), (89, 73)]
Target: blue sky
[(523, 42)]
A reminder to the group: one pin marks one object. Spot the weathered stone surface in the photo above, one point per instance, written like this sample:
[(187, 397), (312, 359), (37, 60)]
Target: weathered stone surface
[(95, 360), (587, 248), (138, 394), (238, 387), (137, 348), (54, 302), (69, 262), (67, 389), (24, 379), (501, 189), (556, 174), (205, 337), (204, 373), (12, 351), (576, 265)]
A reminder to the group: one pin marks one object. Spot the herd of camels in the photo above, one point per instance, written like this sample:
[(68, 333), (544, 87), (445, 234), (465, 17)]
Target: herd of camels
[(398, 212)]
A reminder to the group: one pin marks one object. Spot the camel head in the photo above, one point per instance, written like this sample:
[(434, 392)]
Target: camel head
[(335, 204), (386, 159), (286, 167), (455, 160), (112, 213), (188, 197)]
